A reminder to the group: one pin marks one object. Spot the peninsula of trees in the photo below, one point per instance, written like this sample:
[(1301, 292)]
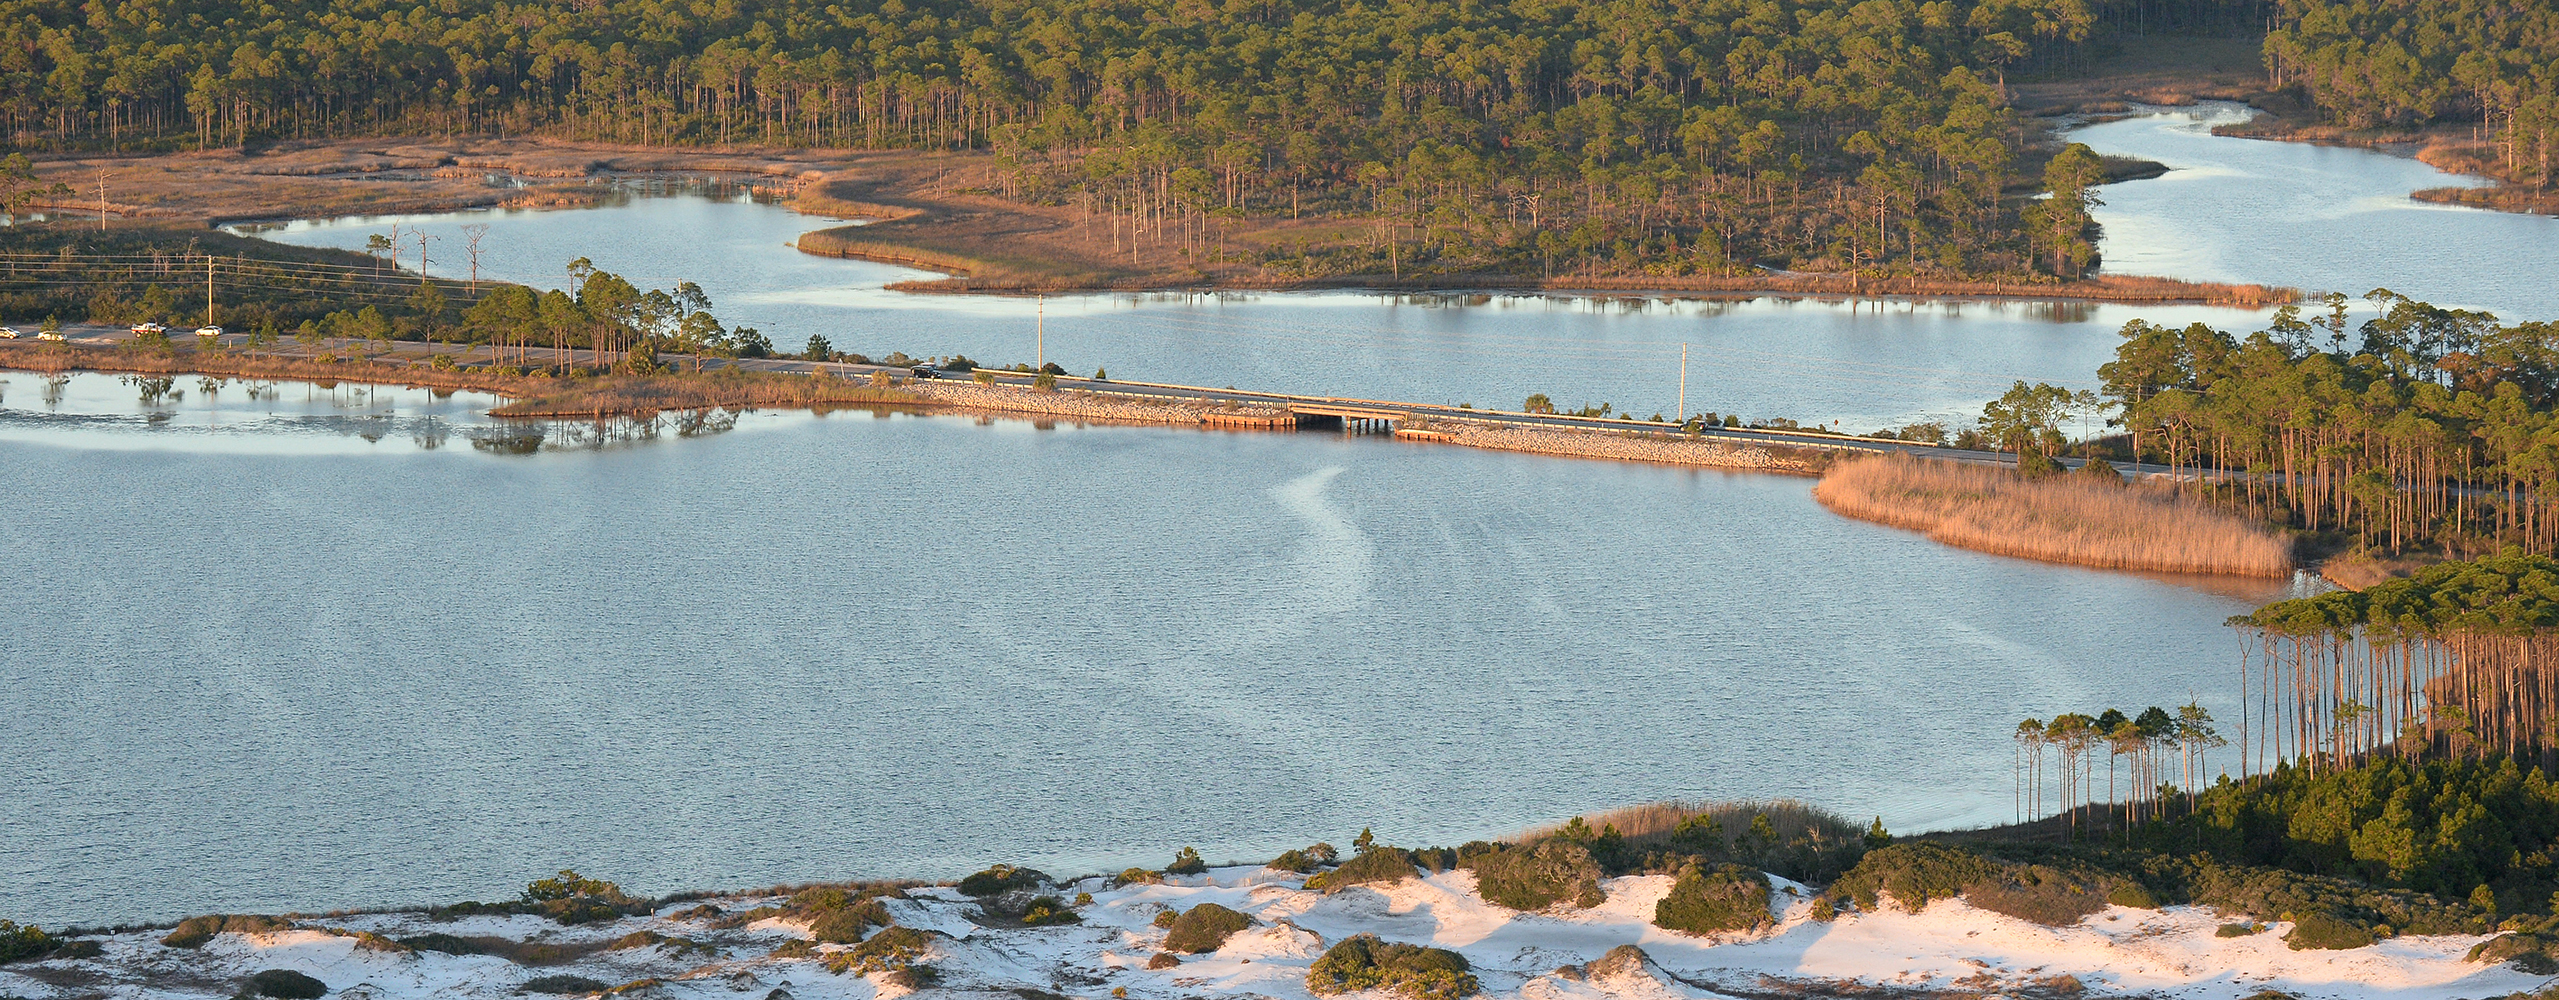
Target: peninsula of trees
[(1673, 138)]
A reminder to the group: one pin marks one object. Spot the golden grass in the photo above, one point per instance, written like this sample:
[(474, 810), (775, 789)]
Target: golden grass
[(2066, 519)]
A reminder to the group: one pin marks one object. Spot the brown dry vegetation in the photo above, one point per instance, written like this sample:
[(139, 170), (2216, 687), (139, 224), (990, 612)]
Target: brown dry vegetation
[(2449, 148), (2066, 519), (385, 176), (2161, 70), (930, 215)]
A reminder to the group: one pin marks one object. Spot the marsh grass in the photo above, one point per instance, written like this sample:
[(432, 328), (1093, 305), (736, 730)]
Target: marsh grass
[(2080, 520)]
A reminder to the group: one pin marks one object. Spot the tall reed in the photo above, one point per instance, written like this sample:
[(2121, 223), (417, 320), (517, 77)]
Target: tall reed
[(2072, 519)]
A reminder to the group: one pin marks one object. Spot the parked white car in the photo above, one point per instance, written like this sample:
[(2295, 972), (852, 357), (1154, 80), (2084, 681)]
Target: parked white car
[(208, 331), (142, 329), (8, 333), (49, 335)]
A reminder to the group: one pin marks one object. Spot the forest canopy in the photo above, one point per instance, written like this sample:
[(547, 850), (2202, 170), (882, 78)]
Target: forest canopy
[(2374, 63), (1656, 136)]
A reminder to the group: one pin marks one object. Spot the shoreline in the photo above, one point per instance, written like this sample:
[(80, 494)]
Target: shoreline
[(963, 280), (2444, 147), (637, 397), (910, 225)]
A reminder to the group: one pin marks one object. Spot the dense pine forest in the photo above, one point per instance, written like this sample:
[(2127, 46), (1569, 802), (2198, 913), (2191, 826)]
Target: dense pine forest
[(1628, 137), (1697, 136), (2492, 64), (2423, 427)]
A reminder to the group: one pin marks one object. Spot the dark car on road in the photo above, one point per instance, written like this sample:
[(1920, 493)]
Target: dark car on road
[(927, 371)]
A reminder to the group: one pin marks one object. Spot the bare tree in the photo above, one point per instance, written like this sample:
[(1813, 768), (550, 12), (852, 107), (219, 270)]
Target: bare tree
[(474, 232)]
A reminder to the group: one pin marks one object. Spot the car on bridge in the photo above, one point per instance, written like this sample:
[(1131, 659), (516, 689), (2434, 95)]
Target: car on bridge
[(927, 371)]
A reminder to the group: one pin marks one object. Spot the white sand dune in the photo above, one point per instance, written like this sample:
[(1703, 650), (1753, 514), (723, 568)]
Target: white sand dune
[(1558, 955)]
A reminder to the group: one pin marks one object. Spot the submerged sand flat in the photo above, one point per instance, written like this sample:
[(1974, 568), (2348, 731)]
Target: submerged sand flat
[(1949, 948)]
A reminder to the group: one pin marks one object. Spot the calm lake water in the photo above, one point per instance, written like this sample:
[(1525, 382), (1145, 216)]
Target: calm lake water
[(1865, 364), (246, 678), (2323, 218), (288, 647)]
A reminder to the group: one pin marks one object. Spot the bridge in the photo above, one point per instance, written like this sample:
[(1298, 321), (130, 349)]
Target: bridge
[(1353, 418)]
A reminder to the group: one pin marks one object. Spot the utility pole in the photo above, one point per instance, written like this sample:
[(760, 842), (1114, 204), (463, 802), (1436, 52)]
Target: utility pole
[(102, 200), (1683, 382), (1040, 332), (208, 289)]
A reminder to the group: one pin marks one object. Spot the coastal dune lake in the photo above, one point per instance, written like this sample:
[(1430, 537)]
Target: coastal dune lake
[(863, 645), (304, 648)]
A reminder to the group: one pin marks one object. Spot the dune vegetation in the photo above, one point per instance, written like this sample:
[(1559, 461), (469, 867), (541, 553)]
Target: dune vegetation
[(2081, 519)]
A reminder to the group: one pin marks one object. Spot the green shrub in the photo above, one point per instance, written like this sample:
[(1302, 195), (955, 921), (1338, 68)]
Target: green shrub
[(1138, 876), (2130, 894), (575, 899), (914, 977), (2322, 931), (1204, 928), (635, 939), (676, 946), (1305, 859), (846, 921), (23, 942), (1534, 878), (1380, 865), (1913, 874), (1705, 901), (2387, 821), (1162, 960), (446, 943), (795, 948), (1048, 910), (2041, 894), (2528, 952), (1825, 911), (1001, 879), (733, 921), (2270, 894), (1166, 918), (77, 948), (286, 984), (193, 932), (890, 950), (564, 984), (2237, 930), (1363, 962), (1187, 862)]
